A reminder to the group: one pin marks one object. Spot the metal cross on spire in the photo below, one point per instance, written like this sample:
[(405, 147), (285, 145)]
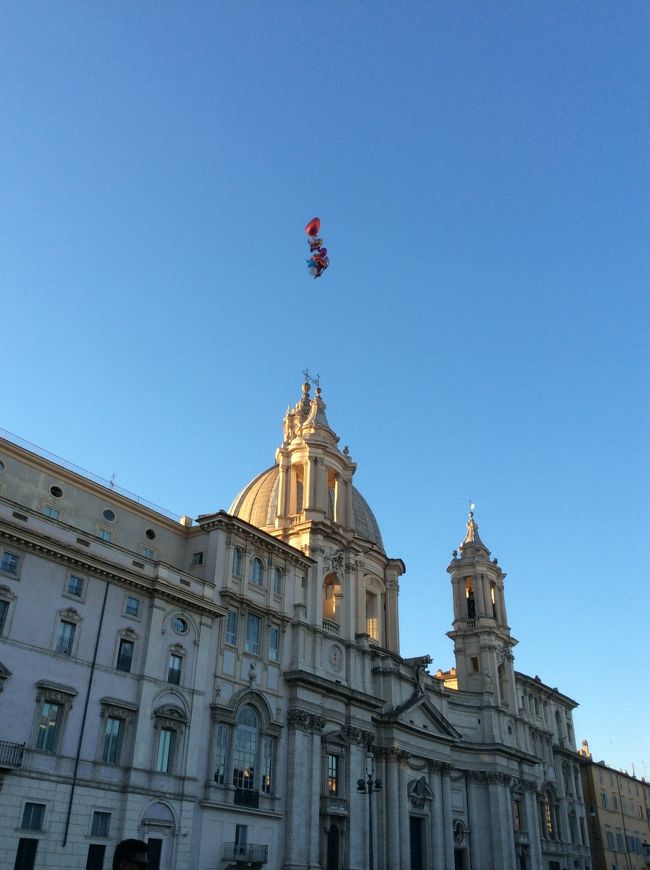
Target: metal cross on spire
[(310, 380)]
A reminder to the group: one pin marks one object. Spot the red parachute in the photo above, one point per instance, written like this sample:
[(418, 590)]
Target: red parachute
[(319, 261)]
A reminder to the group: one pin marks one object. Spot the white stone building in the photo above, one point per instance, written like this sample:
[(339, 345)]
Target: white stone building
[(218, 687)]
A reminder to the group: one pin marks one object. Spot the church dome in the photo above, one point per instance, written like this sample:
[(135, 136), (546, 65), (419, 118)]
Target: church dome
[(257, 504)]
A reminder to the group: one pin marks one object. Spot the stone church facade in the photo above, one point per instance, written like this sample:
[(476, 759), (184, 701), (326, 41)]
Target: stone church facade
[(231, 688)]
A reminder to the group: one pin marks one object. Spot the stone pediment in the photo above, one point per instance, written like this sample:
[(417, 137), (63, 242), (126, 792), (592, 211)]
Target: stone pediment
[(420, 713)]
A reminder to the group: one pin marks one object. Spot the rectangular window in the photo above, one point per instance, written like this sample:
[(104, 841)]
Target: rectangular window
[(274, 643), (197, 559), (65, 637), (277, 581), (125, 656), (33, 816), (332, 774), (26, 854), (9, 563), (372, 623), (50, 511), (174, 670), (47, 726), (231, 627), (223, 737), (620, 842), (112, 740), (105, 535), (75, 586), (4, 610), (516, 812), (148, 553), (603, 800), (165, 750), (95, 859), (101, 824), (253, 634), (132, 606), (241, 839), (267, 765)]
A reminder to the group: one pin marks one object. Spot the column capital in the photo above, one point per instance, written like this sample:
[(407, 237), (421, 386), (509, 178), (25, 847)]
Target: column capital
[(305, 721)]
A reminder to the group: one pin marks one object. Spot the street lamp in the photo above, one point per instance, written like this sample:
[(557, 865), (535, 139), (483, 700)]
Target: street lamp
[(367, 786)]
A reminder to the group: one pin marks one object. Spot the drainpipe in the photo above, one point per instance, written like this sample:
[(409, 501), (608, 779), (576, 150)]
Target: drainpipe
[(83, 720)]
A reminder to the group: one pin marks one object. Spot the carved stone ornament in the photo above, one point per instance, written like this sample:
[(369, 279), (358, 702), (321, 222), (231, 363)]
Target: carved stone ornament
[(335, 657), (459, 832), (419, 792), (354, 735), (305, 721)]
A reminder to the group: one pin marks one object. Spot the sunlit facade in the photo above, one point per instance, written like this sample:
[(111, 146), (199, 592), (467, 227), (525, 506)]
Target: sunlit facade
[(618, 813), (219, 686)]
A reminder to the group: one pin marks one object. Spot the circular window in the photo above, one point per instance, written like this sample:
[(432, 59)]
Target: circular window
[(180, 625), (56, 491), (151, 534), (108, 515)]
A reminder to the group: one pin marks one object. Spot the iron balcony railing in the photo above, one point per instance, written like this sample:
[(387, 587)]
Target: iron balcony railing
[(251, 852), (11, 754)]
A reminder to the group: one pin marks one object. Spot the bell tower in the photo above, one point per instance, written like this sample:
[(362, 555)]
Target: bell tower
[(481, 635)]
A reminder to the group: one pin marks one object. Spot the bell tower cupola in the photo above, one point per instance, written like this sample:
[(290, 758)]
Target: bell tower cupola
[(315, 476), (482, 640)]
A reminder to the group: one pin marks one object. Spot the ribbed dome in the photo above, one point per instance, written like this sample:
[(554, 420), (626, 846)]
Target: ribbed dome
[(257, 504)]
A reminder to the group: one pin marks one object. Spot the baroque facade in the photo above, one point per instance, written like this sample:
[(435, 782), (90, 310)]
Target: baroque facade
[(231, 688)]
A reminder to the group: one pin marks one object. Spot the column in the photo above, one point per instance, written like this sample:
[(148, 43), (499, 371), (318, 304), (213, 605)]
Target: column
[(392, 807), (473, 818), (503, 843), (338, 501), (283, 490), (358, 819), (447, 818), (437, 820), (298, 820), (404, 820), (532, 826), (349, 512), (317, 725)]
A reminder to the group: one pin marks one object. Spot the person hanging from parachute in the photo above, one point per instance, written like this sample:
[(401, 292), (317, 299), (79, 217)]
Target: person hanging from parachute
[(319, 261)]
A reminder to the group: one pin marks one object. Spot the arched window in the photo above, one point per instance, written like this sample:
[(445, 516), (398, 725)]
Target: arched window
[(257, 571), (277, 581), (246, 749), (503, 685), (493, 599), (331, 590), (469, 596), (236, 562), (372, 620)]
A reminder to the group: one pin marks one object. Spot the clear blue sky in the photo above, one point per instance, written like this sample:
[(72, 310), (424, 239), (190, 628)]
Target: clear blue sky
[(481, 172)]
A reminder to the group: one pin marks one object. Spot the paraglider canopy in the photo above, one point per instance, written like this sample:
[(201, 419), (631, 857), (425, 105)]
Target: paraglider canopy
[(313, 227)]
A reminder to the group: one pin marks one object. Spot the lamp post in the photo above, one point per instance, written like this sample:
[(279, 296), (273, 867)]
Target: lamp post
[(368, 786)]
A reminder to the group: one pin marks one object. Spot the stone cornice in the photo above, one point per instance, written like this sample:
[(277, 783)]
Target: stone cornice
[(229, 523), (328, 687)]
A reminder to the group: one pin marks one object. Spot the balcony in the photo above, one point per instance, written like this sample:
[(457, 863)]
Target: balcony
[(331, 626), (11, 755), (331, 804), (247, 797), (522, 838), (252, 853)]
